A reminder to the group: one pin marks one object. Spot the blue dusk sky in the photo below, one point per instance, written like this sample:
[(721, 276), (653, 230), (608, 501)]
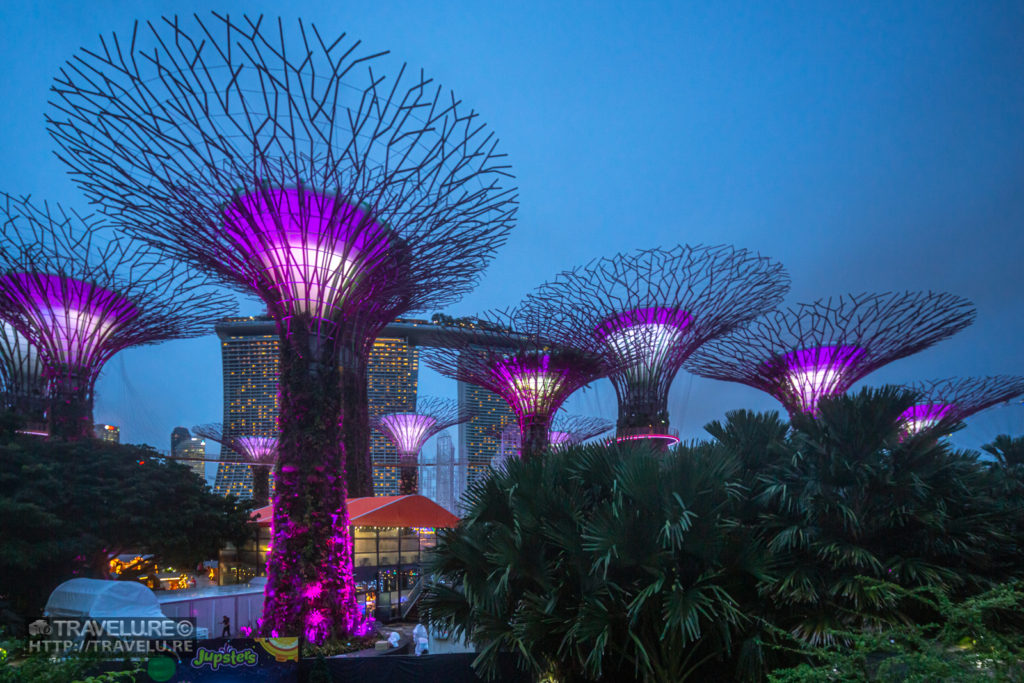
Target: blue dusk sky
[(867, 146)]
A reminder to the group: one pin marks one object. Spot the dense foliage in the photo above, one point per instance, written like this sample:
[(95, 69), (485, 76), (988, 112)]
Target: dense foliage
[(67, 508), (729, 558)]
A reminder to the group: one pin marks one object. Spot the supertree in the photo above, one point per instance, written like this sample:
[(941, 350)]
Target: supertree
[(261, 451), (513, 357), (807, 352), (566, 430), (283, 163), (409, 431), (957, 398), (80, 293), (22, 374), (649, 310)]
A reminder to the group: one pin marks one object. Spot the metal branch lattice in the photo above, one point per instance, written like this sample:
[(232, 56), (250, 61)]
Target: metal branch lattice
[(79, 294), (566, 430), (22, 373), (647, 311), (956, 398), (287, 165), (804, 353), (513, 356), (409, 431), (259, 450)]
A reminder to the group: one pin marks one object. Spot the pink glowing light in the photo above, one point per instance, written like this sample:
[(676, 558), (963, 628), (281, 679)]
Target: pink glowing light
[(408, 431), (533, 385), (261, 449), (667, 439), (643, 340), (75, 320), (313, 251), (559, 438), (918, 418), (813, 374)]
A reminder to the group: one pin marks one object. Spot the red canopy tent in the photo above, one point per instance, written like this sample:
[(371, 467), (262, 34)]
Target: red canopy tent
[(411, 511)]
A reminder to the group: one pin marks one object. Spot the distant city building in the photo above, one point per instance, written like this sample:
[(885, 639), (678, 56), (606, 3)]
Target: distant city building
[(179, 434), (393, 371), (446, 477), (193, 454), (107, 433), (480, 438), (249, 354)]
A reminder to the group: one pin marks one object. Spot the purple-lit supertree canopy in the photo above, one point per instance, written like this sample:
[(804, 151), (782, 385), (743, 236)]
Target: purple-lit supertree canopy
[(409, 431), (79, 293), (649, 310), (515, 358), (956, 398), (285, 163), (21, 371), (804, 353), (261, 451)]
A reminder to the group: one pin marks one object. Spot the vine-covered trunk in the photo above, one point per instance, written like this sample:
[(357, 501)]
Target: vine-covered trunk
[(408, 470), (534, 432), (355, 422), (261, 485), (310, 591), (70, 410)]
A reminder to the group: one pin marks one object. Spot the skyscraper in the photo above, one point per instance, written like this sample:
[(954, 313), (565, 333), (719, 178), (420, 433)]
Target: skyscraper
[(393, 371), (107, 433), (249, 354), (178, 434), (193, 453), (445, 478), (480, 438)]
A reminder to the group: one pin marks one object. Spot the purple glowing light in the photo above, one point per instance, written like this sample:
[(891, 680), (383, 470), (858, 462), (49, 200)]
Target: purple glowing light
[(643, 339), (812, 374), (532, 385), (559, 438), (262, 449), (924, 416), (313, 251), (408, 431), (75, 320), (666, 439)]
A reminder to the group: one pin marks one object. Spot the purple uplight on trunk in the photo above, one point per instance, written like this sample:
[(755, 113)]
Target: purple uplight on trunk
[(808, 375), (409, 431), (924, 416), (313, 252), (75, 322)]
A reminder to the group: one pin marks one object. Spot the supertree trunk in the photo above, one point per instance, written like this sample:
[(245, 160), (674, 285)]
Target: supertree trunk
[(261, 486), (70, 416), (310, 591), (409, 472), (535, 430), (643, 409), (356, 425)]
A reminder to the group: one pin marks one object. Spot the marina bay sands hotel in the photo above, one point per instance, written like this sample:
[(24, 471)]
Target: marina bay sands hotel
[(249, 350)]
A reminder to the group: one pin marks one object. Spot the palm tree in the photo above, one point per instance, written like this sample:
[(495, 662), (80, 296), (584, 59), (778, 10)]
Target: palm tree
[(601, 562)]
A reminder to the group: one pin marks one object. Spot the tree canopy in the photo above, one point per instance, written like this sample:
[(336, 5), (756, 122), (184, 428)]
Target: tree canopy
[(732, 557), (67, 508)]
